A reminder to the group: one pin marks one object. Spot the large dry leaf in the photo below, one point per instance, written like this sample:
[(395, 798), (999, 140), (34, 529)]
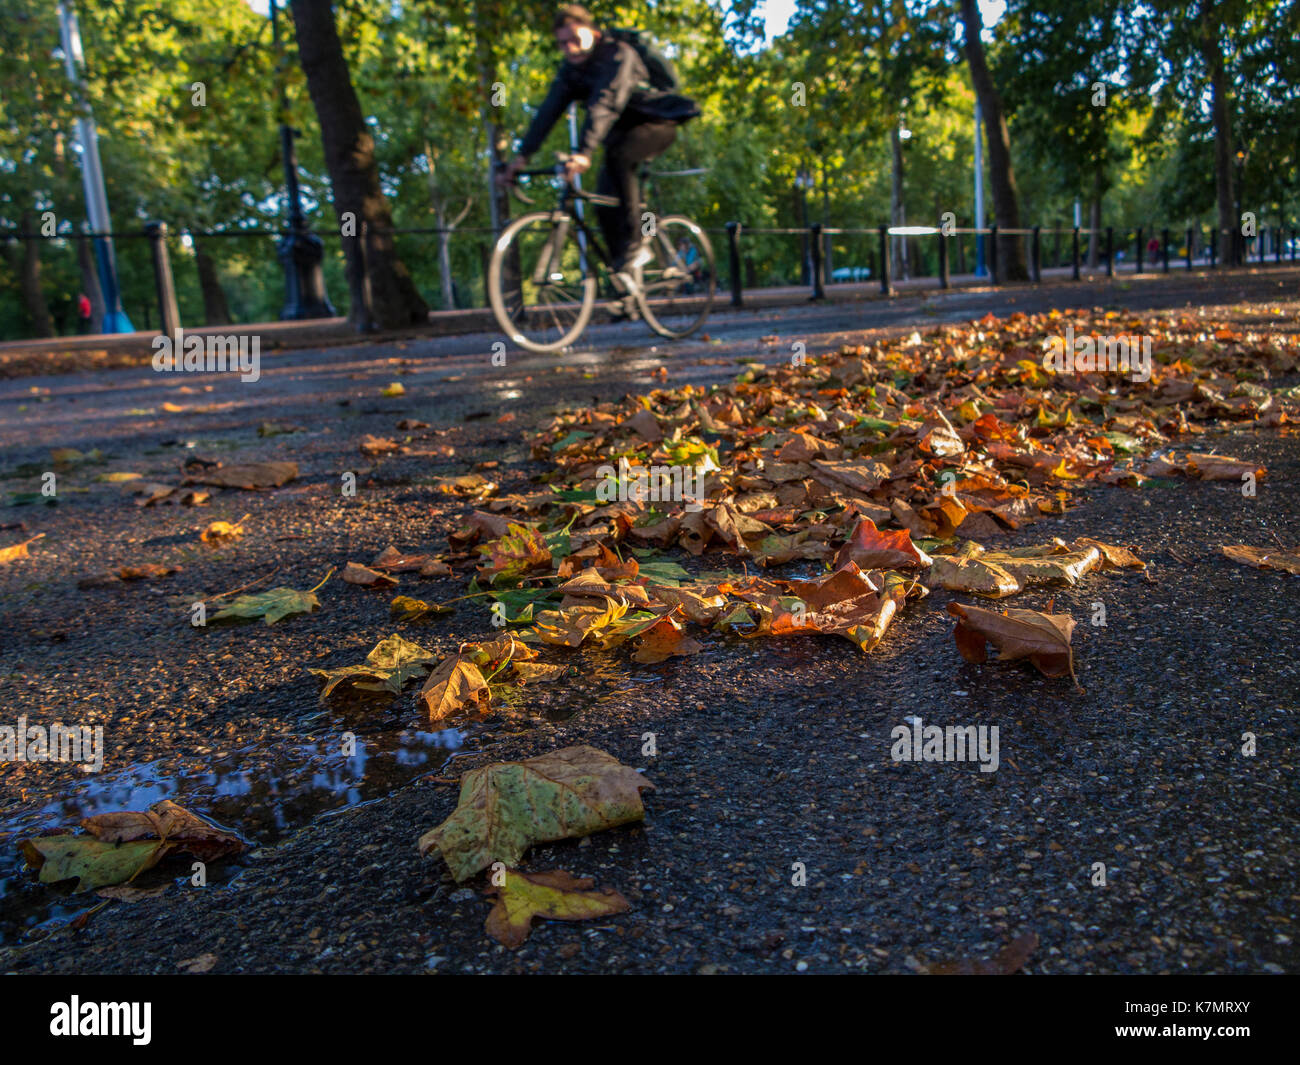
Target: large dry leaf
[(119, 846), (976, 576), (355, 573), (249, 476), (389, 667), (571, 625), (554, 895), (454, 685), (1265, 557), (872, 548), (662, 640), (508, 807), (1042, 638)]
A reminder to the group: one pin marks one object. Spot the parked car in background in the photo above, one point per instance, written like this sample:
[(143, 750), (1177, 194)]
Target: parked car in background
[(851, 273)]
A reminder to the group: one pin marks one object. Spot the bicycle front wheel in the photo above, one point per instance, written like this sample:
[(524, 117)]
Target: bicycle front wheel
[(541, 282), (679, 281)]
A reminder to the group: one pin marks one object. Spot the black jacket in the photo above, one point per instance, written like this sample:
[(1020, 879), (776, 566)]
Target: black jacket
[(613, 84)]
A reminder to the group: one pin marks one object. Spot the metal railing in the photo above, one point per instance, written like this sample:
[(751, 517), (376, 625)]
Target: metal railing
[(816, 237)]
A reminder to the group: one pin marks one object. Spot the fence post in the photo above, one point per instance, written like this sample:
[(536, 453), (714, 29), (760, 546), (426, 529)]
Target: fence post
[(1278, 241), (886, 289), (945, 277), (1035, 257), (1189, 247), (1164, 249), (1214, 250), (1110, 251), (164, 284), (818, 263), (733, 258), (1295, 244), (1074, 254), (1140, 249), (1260, 239), (993, 253)]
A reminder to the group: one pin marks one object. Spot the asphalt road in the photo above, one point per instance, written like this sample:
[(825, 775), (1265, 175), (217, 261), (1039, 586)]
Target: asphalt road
[(771, 752)]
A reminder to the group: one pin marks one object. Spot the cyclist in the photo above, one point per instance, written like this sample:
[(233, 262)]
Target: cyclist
[(634, 121)]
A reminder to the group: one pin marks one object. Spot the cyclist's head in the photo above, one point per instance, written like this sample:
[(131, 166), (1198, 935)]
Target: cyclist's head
[(575, 32)]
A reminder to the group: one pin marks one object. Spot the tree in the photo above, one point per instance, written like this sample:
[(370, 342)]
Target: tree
[(1006, 204), (359, 200)]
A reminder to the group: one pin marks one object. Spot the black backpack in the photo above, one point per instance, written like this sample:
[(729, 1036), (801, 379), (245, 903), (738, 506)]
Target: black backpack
[(662, 75)]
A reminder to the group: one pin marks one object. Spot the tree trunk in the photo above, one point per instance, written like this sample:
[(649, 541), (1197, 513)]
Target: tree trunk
[(354, 174), (37, 309), (1224, 194), (216, 311), (1006, 209)]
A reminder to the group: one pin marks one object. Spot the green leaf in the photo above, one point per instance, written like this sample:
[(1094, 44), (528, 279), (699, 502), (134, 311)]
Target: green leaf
[(271, 606), (508, 807)]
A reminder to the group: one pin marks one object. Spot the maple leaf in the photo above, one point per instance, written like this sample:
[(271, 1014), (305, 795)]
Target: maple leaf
[(507, 807), (554, 895), (1042, 638)]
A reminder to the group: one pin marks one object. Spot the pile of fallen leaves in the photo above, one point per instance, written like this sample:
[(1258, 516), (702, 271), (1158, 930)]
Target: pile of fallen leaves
[(890, 466)]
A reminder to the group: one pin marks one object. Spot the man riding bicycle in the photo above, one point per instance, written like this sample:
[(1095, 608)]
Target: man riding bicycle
[(625, 111)]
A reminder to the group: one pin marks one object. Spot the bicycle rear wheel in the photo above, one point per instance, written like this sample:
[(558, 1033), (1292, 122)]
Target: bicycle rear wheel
[(679, 281), (541, 282)]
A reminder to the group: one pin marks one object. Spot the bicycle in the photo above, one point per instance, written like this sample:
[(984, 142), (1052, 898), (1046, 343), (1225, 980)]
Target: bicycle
[(546, 266)]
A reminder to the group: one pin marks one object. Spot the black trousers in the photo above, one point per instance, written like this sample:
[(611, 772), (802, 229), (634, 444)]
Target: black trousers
[(626, 148)]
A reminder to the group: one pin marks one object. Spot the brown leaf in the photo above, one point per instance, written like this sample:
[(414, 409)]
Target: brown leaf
[(249, 476), (1042, 638), (355, 573), (1265, 557), (872, 548), (455, 684)]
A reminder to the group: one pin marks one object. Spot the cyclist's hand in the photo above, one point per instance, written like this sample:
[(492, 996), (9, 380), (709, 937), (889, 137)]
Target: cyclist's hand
[(507, 174), (575, 165)]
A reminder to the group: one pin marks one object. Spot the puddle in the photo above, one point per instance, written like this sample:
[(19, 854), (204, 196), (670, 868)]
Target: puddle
[(263, 795)]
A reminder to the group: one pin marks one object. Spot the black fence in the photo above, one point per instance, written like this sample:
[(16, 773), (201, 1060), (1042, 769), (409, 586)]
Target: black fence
[(748, 258)]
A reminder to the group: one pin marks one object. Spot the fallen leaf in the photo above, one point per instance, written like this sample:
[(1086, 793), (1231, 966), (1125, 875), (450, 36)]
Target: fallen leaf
[(391, 665), (250, 476), (508, 807), (554, 895), (1265, 557), (16, 551), (455, 684), (1042, 638), (221, 531), (271, 605), (355, 573)]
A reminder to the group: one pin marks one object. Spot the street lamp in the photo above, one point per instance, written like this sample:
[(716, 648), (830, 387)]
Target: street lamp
[(92, 178), (300, 251)]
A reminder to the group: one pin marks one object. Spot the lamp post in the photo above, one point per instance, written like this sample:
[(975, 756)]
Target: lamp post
[(1239, 238), (92, 179), (300, 251)]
